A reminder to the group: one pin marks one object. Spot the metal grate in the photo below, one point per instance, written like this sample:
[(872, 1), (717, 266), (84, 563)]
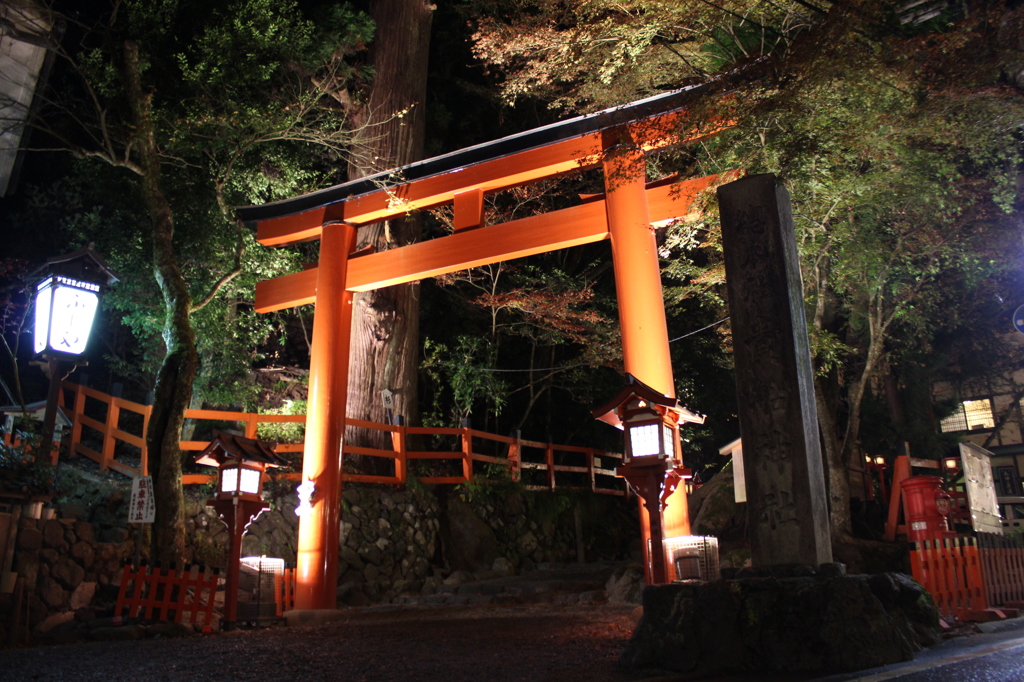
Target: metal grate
[(256, 597), (693, 557)]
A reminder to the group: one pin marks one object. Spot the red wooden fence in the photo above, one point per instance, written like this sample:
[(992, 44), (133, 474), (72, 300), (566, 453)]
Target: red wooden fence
[(574, 467), (951, 571), (284, 591), (166, 594)]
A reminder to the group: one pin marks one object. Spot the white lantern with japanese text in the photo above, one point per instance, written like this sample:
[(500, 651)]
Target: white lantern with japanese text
[(65, 310)]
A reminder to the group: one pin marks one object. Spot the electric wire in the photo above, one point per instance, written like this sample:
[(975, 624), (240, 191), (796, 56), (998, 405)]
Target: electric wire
[(587, 364)]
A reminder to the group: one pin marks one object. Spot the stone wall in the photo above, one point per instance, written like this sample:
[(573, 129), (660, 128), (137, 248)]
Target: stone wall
[(394, 543), (406, 542), (68, 570)]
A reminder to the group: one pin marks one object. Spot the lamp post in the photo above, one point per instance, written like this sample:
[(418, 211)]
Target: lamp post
[(241, 464), (652, 464), (66, 300), (879, 465)]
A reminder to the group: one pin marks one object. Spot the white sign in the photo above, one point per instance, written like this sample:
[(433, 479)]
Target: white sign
[(389, 399), (142, 508), (981, 489), (739, 481)]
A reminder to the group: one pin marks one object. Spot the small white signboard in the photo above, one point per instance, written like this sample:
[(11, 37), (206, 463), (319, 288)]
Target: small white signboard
[(142, 508), (389, 399), (739, 481), (981, 489)]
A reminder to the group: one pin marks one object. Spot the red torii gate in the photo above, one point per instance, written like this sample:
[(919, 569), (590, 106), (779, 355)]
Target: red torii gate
[(615, 140)]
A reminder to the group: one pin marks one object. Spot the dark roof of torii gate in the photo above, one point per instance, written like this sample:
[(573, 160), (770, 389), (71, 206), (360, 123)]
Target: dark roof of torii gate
[(530, 139)]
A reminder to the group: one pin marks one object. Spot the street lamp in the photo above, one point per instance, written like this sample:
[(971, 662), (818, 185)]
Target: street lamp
[(652, 463), (66, 300), (241, 467)]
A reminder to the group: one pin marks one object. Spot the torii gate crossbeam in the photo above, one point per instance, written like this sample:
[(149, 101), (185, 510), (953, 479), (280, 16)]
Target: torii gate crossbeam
[(615, 140)]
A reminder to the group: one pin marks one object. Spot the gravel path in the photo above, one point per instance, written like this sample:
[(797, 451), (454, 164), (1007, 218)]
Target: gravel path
[(449, 643)]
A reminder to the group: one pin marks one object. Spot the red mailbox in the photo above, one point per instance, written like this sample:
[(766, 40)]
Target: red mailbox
[(926, 505)]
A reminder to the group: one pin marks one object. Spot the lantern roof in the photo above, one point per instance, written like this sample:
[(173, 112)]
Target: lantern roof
[(228, 446), (608, 413), (84, 264)]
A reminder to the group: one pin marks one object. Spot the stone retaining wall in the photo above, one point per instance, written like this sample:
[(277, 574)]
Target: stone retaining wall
[(394, 544), (66, 568)]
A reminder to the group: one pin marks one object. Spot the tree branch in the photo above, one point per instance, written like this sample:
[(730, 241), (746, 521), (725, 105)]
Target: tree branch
[(235, 271)]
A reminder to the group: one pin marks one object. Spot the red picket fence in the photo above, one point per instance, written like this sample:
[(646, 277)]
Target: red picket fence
[(951, 570), (167, 594)]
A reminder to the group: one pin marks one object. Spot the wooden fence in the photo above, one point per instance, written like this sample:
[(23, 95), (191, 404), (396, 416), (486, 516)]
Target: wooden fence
[(458, 457), (284, 591), (950, 570), (167, 594), (1002, 563)]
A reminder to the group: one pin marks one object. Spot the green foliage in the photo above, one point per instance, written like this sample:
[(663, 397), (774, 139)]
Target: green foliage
[(460, 374), (20, 469), (597, 53), (901, 147), (494, 485), (284, 432), (245, 95)]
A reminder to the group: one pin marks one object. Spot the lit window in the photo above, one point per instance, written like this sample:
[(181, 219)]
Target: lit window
[(240, 480), (644, 440), (229, 481), (970, 415), (250, 481)]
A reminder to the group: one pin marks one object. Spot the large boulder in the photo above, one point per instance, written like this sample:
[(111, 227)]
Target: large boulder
[(473, 545), (777, 625), (714, 510)]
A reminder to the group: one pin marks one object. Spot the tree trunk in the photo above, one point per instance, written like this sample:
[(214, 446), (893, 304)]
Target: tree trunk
[(178, 370), (385, 326), (837, 474)]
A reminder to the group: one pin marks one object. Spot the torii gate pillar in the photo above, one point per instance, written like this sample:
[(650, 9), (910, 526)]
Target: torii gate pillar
[(645, 349), (316, 576)]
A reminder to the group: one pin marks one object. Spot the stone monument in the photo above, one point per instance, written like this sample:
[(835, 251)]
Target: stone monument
[(794, 610), (786, 502)]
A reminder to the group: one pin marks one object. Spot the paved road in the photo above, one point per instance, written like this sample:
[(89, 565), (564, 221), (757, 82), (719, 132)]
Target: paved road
[(995, 656)]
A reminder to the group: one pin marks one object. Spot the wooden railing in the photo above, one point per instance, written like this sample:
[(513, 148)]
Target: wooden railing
[(108, 428), (538, 465)]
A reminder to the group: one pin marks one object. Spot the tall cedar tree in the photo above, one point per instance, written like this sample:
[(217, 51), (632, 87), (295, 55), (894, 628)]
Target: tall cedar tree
[(385, 325)]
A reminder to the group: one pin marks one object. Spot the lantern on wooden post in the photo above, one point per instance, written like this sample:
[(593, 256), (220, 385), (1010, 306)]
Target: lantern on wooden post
[(66, 301), (241, 466), (652, 464)]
